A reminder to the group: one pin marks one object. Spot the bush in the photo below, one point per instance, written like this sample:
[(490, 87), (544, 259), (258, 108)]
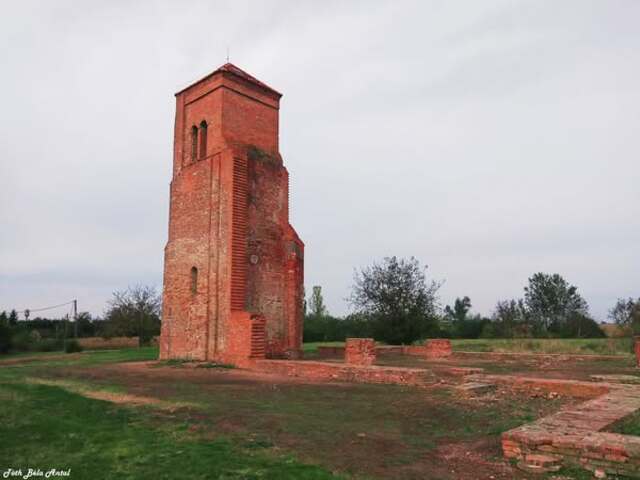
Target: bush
[(5, 338), (471, 327), (49, 345), (325, 328), (72, 346), (23, 341)]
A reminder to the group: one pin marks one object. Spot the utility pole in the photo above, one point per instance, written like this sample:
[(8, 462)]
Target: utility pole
[(75, 318), (66, 327)]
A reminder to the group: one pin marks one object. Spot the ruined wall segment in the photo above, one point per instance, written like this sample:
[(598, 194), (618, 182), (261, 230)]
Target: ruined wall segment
[(360, 351), (233, 263)]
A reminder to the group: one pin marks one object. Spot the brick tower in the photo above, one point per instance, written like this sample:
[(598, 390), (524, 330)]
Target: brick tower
[(233, 268)]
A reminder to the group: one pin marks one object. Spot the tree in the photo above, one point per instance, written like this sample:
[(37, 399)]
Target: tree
[(134, 311), (85, 327), (316, 303), (5, 338), (510, 319), (13, 318), (5, 333), (460, 323), (459, 311), (581, 326), (304, 301), (551, 301), (626, 313), (396, 296)]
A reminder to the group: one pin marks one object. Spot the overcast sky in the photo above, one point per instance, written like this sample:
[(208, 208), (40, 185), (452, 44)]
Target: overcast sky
[(489, 139)]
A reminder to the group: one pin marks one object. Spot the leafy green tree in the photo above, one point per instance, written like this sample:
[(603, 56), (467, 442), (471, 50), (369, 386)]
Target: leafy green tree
[(5, 337), (626, 313), (396, 296), (551, 301), (13, 318), (581, 326), (460, 323), (471, 327), (134, 311), (509, 319), (4, 318), (458, 312), (316, 303), (86, 327)]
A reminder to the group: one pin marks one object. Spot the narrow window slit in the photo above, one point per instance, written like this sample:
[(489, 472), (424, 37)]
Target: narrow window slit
[(194, 280)]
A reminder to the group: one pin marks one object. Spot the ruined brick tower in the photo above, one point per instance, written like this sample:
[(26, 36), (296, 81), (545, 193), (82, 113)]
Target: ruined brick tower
[(233, 269)]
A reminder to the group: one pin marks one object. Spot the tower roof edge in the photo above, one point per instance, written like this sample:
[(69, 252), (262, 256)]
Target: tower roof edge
[(230, 68)]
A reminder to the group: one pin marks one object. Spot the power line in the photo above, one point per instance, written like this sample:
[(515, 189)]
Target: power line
[(42, 309)]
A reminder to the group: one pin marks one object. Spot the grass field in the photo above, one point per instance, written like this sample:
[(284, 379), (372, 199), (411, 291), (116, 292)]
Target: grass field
[(48, 426), (599, 346), (586, 346), (102, 418)]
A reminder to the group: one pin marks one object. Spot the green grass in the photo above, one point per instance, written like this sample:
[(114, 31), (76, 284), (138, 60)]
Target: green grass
[(313, 346), (89, 357), (601, 346), (584, 346), (13, 355), (221, 425), (48, 426), (629, 425)]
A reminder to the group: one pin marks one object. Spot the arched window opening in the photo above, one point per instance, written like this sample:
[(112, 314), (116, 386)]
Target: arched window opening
[(194, 143), (194, 280), (203, 139)]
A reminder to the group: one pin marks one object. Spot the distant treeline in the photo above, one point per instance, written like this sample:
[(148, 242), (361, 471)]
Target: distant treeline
[(394, 303), (134, 312), (327, 328)]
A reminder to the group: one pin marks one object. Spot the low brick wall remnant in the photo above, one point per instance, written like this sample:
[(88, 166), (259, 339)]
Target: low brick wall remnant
[(360, 351), (575, 435), (560, 357), (98, 343), (438, 348), (327, 351), (340, 372)]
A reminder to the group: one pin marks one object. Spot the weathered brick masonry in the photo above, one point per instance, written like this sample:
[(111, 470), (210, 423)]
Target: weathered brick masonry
[(360, 351), (233, 269), (438, 348), (432, 349), (575, 435), (343, 372)]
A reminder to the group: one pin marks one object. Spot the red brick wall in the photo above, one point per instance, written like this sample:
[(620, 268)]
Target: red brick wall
[(360, 351), (229, 219), (249, 122), (267, 246), (437, 348)]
